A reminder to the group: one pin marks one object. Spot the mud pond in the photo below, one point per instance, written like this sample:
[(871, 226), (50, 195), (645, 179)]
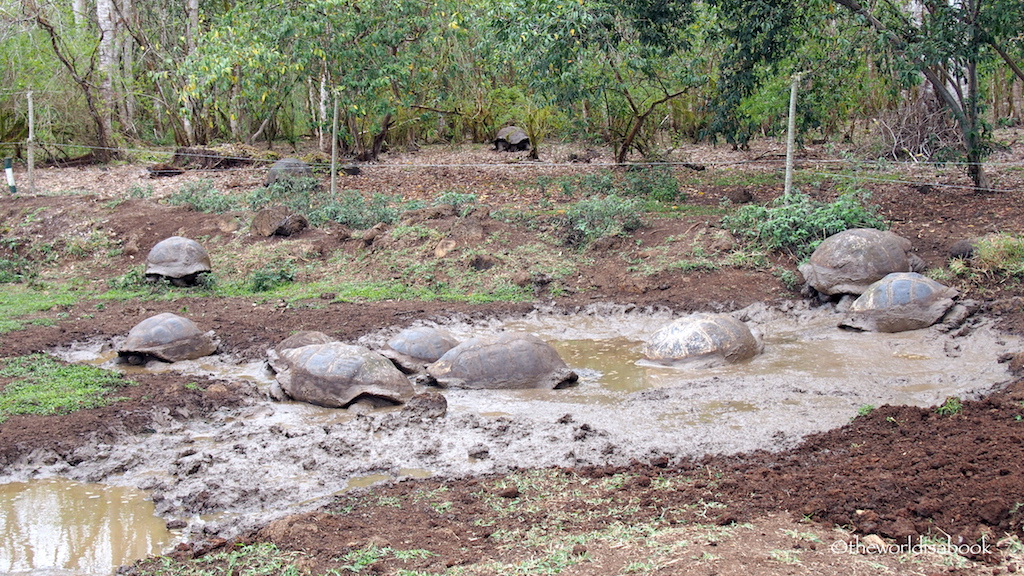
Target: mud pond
[(247, 465)]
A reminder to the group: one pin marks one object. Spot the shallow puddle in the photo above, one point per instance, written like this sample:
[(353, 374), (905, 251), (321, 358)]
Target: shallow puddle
[(271, 457), (57, 526)]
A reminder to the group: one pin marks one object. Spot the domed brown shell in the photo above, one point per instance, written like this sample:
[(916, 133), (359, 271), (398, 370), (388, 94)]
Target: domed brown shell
[(509, 360), (177, 257), (168, 337), (850, 261), (901, 301), (707, 339)]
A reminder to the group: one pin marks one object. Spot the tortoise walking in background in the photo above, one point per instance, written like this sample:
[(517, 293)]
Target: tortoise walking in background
[(850, 261), (703, 339), (900, 301), (508, 360), (512, 139), (168, 337), (287, 168), (179, 260)]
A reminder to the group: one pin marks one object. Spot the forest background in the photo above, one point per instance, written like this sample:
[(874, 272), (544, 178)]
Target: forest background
[(906, 80)]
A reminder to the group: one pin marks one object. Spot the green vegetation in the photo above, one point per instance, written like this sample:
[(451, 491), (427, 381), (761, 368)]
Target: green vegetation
[(865, 409), (588, 220), (201, 196), (44, 386), (950, 407), (271, 276), (20, 301), (796, 224)]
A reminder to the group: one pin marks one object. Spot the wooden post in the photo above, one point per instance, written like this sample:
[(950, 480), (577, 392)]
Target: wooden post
[(334, 150), (791, 136), (31, 147)]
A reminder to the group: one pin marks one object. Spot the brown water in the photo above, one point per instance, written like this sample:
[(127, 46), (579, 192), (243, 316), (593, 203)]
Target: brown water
[(57, 526), (811, 377)]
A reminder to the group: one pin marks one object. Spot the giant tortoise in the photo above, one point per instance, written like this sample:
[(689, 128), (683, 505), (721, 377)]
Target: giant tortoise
[(336, 375), (703, 339), (287, 168), (900, 301), (413, 348), (848, 262), (512, 139), (508, 360), (168, 337), (177, 259)]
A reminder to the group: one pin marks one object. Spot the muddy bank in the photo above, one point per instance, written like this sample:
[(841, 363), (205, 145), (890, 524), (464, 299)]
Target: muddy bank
[(243, 465)]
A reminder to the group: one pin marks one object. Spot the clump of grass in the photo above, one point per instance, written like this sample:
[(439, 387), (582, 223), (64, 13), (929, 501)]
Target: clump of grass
[(271, 276), (45, 386), (201, 196), (22, 300), (951, 407), (306, 196), (463, 203), (999, 253), (588, 220), (796, 224)]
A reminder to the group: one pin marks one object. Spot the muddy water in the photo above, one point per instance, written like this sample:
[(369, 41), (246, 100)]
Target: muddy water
[(58, 526), (241, 467)]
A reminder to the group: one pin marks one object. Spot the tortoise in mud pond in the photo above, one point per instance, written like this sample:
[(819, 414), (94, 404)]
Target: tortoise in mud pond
[(337, 375), (287, 168), (850, 261), (900, 301), (179, 260), (413, 348), (512, 139), (509, 360), (703, 339), (168, 337)]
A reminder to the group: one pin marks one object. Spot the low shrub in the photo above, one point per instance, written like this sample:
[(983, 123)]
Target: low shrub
[(795, 223), (201, 196), (588, 220)]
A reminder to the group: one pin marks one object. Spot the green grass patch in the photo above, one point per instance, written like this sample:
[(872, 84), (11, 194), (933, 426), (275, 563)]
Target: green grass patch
[(18, 301), (45, 386)]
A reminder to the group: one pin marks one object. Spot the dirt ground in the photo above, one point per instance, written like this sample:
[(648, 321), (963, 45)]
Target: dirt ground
[(899, 473)]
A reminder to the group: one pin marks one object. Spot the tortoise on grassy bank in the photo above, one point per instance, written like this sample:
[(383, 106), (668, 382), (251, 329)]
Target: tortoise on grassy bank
[(168, 337), (900, 301), (508, 360), (512, 139), (179, 260), (413, 348), (850, 261), (336, 375), (703, 339)]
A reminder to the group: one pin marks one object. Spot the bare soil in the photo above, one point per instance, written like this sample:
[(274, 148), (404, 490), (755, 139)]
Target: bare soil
[(899, 472)]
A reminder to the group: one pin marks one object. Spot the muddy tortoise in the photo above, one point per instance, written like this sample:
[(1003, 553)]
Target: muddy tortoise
[(177, 259), (703, 339), (900, 301), (850, 261), (512, 139), (168, 337), (337, 375), (509, 360), (413, 348)]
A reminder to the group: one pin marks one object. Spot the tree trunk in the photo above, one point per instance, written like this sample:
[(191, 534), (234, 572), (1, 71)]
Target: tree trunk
[(107, 60)]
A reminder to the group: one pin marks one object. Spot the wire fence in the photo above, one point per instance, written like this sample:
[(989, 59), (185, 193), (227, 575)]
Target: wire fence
[(770, 160)]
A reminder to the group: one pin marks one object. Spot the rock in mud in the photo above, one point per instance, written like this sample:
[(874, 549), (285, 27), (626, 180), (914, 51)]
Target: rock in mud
[(901, 301), (277, 221), (426, 405), (704, 339), (335, 375), (168, 337), (852, 260), (508, 360)]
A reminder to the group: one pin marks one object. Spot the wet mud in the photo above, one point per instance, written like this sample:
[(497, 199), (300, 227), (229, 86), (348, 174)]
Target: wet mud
[(245, 465)]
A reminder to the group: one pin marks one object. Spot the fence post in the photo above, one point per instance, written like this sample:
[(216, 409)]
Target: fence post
[(31, 146), (10, 175), (334, 150), (791, 136)]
